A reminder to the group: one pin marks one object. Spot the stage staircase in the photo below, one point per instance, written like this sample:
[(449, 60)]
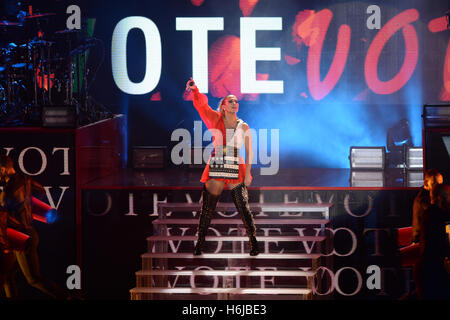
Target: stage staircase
[(225, 270)]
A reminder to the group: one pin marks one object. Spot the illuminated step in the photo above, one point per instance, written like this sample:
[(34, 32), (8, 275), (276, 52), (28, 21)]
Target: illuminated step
[(280, 221), (256, 207), (221, 290), (237, 238), (284, 256), (249, 273)]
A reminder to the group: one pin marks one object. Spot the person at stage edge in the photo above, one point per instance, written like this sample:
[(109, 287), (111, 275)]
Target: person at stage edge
[(431, 213), (225, 166), (16, 199)]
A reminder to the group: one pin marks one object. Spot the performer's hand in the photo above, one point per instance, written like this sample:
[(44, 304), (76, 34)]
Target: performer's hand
[(247, 180), (191, 84)]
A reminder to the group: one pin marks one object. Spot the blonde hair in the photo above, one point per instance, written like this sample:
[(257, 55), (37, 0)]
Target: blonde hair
[(221, 103)]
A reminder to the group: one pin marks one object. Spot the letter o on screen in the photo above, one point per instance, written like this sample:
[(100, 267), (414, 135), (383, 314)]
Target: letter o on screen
[(119, 55)]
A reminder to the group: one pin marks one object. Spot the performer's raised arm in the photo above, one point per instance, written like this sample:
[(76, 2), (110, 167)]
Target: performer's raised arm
[(208, 115)]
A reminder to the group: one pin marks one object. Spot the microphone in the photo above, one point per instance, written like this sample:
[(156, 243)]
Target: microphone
[(190, 83)]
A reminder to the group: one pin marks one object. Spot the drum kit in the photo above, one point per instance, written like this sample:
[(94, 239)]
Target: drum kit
[(40, 68)]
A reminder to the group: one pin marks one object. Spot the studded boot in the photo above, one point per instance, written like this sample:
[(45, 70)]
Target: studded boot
[(209, 203), (240, 199)]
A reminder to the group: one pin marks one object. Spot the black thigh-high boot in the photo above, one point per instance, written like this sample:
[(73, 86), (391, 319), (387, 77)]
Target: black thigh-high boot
[(240, 198), (209, 203)]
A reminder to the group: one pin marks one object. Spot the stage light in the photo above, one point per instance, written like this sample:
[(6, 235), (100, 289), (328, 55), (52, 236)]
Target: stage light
[(149, 157), (435, 116), (43, 212), (367, 178), (367, 158), (59, 117), (436, 122), (398, 139), (398, 136), (51, 215), (16, 239), (415, 179), (414, 158)]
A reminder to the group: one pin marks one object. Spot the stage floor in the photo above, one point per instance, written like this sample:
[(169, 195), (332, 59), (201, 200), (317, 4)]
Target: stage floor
[(290, 178)]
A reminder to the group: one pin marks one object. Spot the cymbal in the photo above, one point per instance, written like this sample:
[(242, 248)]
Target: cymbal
[(5, 23), (37, 16)]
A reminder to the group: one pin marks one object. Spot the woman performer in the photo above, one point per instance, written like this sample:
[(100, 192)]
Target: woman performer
[(225, 167)]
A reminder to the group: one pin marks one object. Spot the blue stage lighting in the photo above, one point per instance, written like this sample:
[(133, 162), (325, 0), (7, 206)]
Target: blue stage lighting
[(400, 143), (52, 215)]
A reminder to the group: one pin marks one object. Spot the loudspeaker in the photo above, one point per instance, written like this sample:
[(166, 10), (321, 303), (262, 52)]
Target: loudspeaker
[(436, 116), (64, 116)]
